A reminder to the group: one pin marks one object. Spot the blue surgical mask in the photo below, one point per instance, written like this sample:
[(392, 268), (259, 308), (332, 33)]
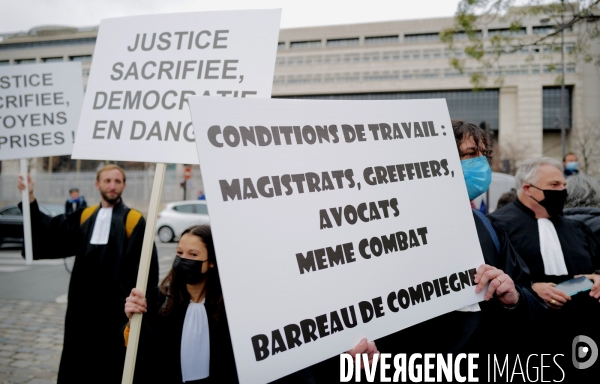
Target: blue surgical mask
[(572, 165), (478, 175)]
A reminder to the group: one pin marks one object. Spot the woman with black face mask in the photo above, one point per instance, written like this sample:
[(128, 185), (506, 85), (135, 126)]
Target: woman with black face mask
[(185, 338)]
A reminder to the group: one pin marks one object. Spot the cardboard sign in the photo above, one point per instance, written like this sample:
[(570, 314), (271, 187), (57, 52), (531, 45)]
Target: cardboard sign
[(146, 67), (332, 221), (39, 109)]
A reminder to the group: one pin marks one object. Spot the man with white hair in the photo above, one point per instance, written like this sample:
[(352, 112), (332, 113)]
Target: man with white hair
[(555, 249)]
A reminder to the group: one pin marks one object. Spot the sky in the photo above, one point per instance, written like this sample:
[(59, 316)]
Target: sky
[(21, 15)]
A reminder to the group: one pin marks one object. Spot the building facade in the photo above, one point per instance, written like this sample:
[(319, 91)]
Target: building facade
[(399, 60)]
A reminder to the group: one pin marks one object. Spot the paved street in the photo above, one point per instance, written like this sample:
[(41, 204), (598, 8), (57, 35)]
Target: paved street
[(32, 309)]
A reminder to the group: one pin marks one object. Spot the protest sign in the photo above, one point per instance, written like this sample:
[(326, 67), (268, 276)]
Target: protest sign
[(332, 221), (145, 68), (39, 111)]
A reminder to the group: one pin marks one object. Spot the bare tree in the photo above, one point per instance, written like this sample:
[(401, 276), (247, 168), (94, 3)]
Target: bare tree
[(585, 142), (510, 155)]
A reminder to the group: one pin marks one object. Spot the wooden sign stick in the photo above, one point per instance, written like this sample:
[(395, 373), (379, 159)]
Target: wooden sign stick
[(27, 238), (142, 278)]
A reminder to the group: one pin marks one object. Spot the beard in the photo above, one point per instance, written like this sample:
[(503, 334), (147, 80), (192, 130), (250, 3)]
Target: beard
[(109, 199)]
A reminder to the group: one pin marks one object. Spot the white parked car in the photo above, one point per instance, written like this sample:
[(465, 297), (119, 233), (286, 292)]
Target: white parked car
[(178, 216)]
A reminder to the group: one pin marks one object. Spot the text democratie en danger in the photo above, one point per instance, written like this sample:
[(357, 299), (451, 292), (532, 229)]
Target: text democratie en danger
[(308, 330), (13, 118)]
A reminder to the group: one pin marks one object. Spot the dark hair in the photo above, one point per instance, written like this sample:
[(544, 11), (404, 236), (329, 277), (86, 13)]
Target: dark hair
[(568, 154), (483, 141), (73, 190), (176, 291), (506, 198)]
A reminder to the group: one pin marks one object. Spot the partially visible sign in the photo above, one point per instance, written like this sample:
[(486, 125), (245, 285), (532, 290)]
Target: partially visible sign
[(187, 172), (332, 221), (39, 109), (146, 67)]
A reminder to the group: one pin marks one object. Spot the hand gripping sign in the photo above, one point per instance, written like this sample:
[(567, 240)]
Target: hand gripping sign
[(144, 70), (39, 111), (332, 221)]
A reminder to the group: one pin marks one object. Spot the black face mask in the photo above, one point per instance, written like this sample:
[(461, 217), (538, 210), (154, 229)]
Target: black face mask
[(554, 201), (188, 271)]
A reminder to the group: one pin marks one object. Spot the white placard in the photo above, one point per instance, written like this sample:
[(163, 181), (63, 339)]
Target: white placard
[(39, 109), (311, 222), (145, 68)]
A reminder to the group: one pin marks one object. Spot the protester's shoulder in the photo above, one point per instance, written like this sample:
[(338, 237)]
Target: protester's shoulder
[(135, 216), (582, 225), (582, 213), (505, 212)]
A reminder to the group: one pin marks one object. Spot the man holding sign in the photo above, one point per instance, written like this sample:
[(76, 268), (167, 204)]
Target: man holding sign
[(106, 240), (505, 314)]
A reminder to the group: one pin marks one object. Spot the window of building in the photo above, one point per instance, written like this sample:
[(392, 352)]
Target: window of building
[(428, 74), (506, 32), (343, 42), (25, 61), (381, 76), (332, 59), (305, 44), (352, 58), (49, 43), (432, 53), (53, 59), (390, 56), (280, 45), (452, 53), (408, 55), (462, 35), (371, 57), (421, 37), (476, 107), (546, 29), (304, 79), (392, 39), (313, 60), (280, 61), (551, 97), (4, 62), (570, 47), (450, 72), (82, 58), (543, 30), (512, 70)]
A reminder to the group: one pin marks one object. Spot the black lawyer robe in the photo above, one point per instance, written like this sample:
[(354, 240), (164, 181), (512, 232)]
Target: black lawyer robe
[(159, 351), (556, 329), (579, 245), (102, 277)]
